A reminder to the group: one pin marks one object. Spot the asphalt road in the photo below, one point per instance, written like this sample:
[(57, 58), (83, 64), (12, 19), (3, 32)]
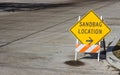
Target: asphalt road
[(38, 42)]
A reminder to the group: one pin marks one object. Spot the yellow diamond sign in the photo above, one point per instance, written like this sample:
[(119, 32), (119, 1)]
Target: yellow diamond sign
[(90, 29)]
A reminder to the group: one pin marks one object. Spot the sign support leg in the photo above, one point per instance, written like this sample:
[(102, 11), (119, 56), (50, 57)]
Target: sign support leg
[(99, 54), (103, 41), (75, 55), (77, 43), (99, 43)]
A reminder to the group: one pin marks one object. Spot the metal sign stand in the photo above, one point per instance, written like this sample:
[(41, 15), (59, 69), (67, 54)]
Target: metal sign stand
[(99, 43), (75, 50), (99, 54), (77, 44)]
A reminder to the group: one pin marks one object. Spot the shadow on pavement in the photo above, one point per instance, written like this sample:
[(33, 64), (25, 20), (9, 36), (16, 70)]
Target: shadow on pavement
[(95, 55), (74, 63), (29, 6)]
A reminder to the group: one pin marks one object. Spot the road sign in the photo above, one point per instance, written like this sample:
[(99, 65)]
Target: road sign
[(90, 29)]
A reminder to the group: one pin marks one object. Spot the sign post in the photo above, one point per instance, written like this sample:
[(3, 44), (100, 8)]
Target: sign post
[(89, 30), (77, 43)]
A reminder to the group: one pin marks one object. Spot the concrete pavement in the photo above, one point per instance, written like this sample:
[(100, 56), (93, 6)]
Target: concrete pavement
[(112, 20), (39, 42)]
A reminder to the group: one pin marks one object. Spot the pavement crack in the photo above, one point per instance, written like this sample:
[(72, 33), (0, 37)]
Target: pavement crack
[(35, 32)]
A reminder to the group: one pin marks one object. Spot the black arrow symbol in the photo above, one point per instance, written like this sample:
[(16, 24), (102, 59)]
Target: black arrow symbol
[(89, 40)]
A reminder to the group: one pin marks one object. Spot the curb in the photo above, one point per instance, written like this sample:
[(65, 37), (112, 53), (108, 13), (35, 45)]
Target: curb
[(111, 58)]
